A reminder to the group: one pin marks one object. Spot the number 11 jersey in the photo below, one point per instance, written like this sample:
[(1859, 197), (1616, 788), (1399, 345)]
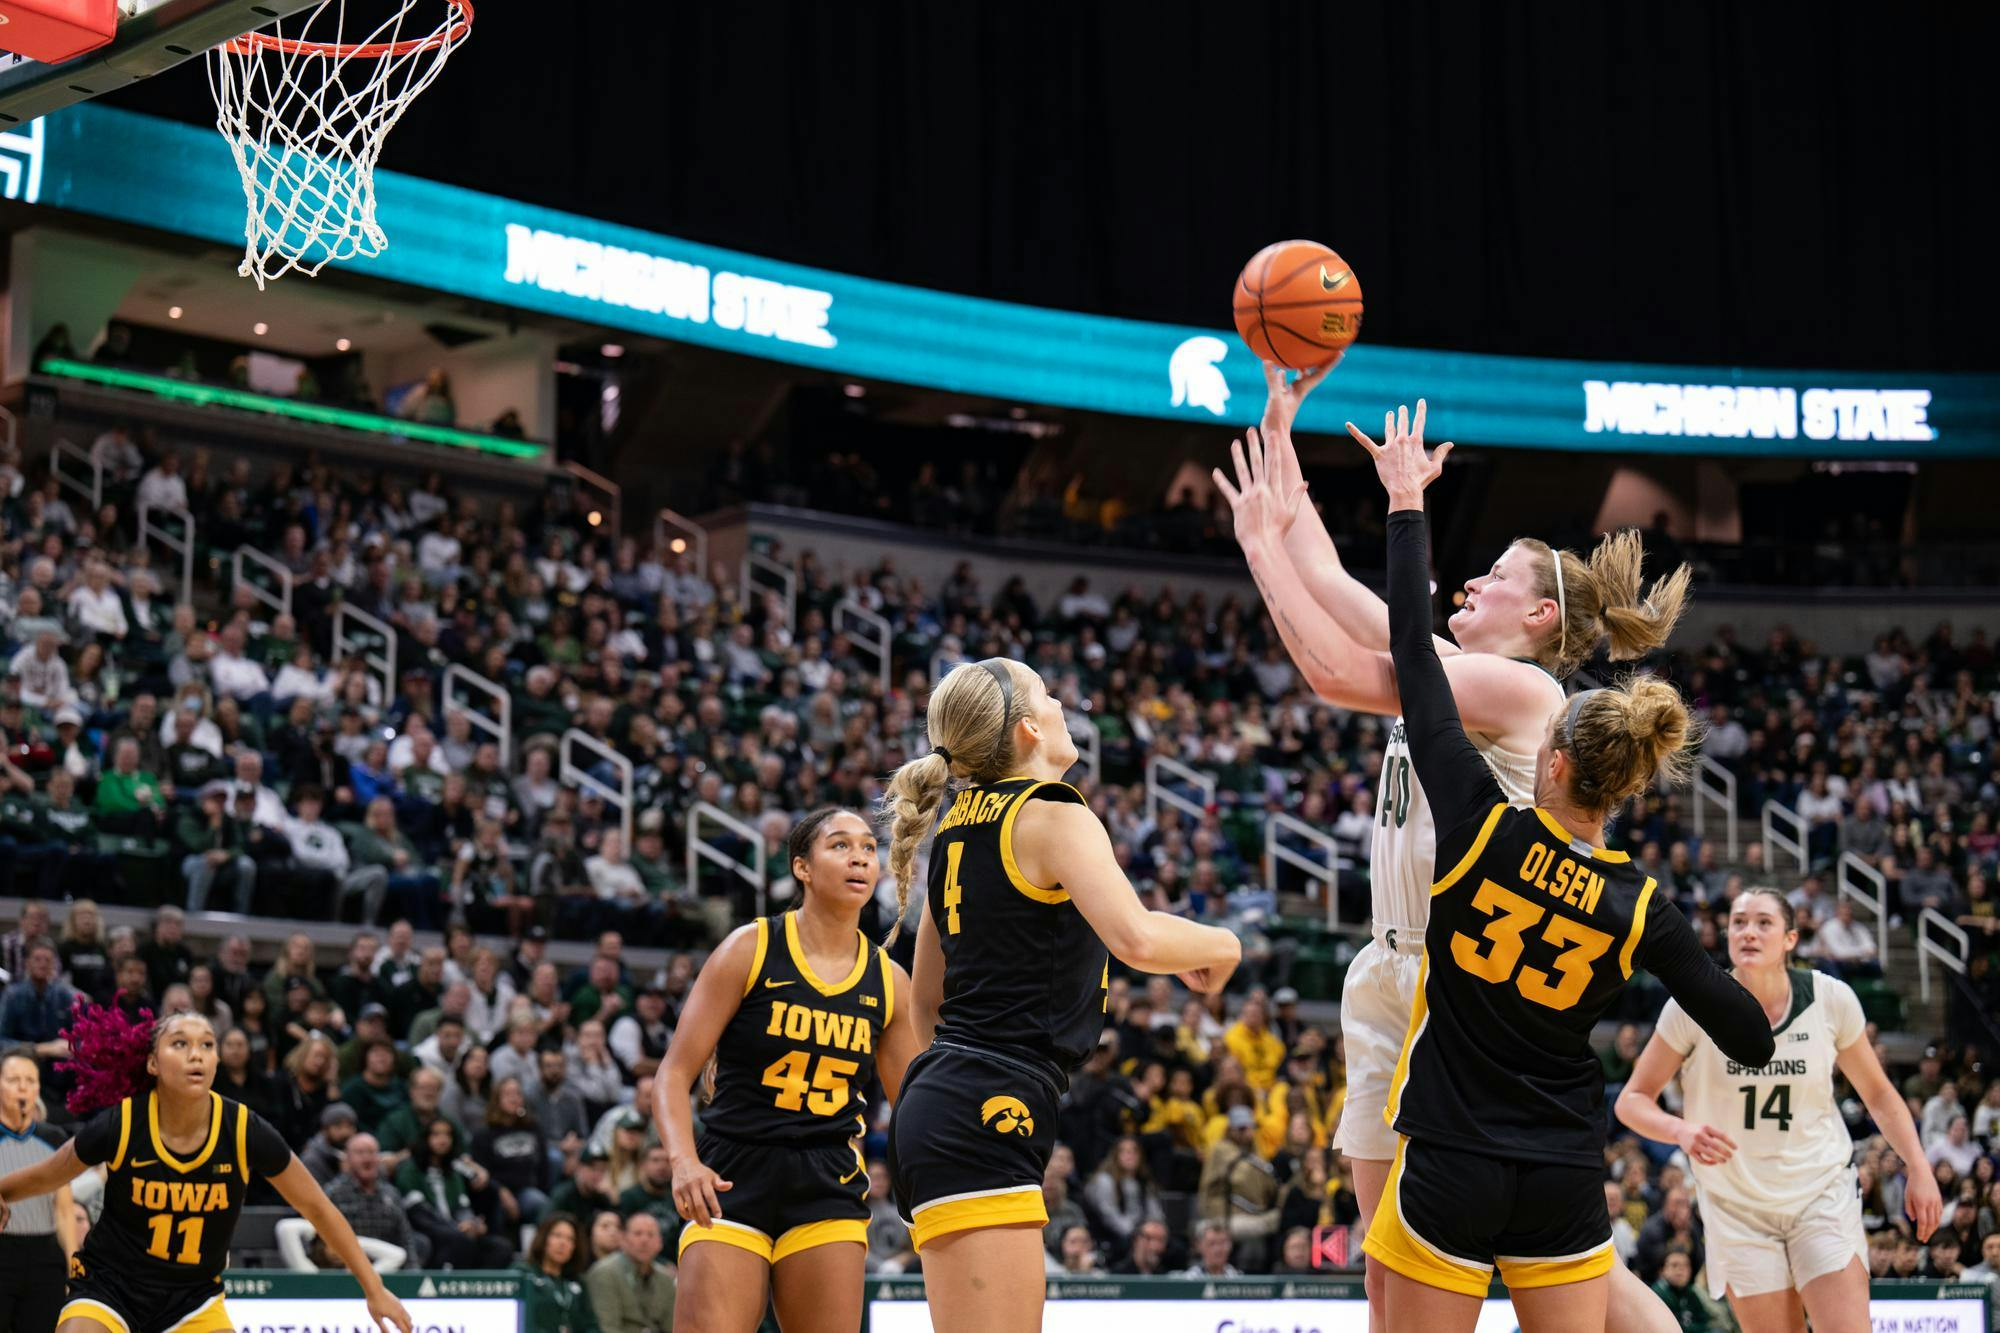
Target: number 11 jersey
[(1789, 1136)]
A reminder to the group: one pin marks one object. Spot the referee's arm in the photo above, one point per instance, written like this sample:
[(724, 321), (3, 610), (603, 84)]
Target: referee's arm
[(44, 1177)]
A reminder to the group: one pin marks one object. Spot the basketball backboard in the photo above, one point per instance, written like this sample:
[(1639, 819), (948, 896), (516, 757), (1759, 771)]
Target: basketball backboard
[(155, 38)]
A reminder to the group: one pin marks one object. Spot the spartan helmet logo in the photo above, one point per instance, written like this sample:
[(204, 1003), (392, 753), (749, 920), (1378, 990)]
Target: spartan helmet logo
[(1193, 372), (1007, 1115)]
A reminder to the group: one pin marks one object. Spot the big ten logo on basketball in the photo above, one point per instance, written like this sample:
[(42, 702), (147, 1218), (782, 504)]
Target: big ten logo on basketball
[(1341, 324)]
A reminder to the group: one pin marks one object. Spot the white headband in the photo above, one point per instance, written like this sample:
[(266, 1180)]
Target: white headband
[(1562, 609)]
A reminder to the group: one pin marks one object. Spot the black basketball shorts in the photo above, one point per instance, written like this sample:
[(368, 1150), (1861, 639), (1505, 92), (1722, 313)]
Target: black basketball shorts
[(131, 1303), (969, 1142), (1449, 1218), (783, 1199)]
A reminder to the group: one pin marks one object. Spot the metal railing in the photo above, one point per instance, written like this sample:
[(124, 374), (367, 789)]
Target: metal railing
[(279, 601), (1791, 838), (1716, 785), (696, 537), (785, 578), (700, 849), (181, 543), (378, 652), (86, 477), (1851, 869), (499, 726), (569, 771), (1327, 872), (1159, 793), (1089, 745), (1934, 923), (879, 642), (605, 515)]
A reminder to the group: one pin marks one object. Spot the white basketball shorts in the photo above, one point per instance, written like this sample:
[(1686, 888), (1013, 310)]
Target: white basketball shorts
[(1375, 1005), (1755, 1249)]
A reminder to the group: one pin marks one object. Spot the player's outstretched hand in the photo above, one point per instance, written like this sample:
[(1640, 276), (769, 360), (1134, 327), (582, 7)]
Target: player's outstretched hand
[(1400, 461), (388, 1312), (1705, 1143), (1923, 1203), (696, 1191), (1262, 508)]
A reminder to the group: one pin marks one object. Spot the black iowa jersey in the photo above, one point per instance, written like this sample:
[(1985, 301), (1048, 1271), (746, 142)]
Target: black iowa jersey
[(1023, 971), (1532, 933), (794, 1063), (169, 1219)]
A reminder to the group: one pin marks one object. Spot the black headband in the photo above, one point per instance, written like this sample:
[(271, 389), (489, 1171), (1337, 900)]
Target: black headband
[(996, 667)]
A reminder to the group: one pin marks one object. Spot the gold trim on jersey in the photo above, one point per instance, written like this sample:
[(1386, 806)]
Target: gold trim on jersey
[(888, 989), (811, 1235), (85, 1308), (1554, 826), (1472, 852), (212, 1316), (160, 1143), (805, 967), (243, 1144), (1420, 1013), (124, 1133), (1558, 1271), (1638, 929), (757, 958), (1026, 887)]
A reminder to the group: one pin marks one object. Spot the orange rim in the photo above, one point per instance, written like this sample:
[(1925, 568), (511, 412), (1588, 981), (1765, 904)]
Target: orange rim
[(253, 42)]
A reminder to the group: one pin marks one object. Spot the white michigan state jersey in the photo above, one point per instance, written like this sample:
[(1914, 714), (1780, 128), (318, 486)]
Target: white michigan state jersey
[(1401, 864), (1790, 1139)]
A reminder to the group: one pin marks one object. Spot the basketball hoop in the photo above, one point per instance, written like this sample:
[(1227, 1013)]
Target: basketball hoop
[(305, 114)]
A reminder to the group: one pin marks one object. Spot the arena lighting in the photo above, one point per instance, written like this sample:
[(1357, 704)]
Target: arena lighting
[(318, 414), (613, 350), (174, 312), (595, 518), (678, 545), (855, 390), (341, 344), (260, 328)]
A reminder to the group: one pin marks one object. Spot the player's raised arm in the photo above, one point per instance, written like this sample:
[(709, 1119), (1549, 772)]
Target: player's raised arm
[(297, 1187), (1491, 693), (1351, 603)]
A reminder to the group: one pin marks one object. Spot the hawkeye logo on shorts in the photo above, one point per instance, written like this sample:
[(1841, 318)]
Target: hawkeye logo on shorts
[(1007, 1115)]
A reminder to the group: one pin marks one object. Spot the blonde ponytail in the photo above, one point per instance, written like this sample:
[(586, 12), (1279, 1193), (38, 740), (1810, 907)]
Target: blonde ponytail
[(1618, 739), (970, 723), (1599, 597)]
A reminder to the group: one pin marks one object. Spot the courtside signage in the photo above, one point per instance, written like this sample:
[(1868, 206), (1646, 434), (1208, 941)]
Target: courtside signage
[(180, 178)]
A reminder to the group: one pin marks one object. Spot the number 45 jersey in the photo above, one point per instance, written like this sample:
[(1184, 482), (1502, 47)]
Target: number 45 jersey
[(1532, 934), (1789, 1135), (794, 1063)]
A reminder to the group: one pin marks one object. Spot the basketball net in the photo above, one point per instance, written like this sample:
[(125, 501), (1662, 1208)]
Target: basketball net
[(305, 113)]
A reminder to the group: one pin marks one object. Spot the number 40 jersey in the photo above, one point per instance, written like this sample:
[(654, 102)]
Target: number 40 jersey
[(1789, 1136)]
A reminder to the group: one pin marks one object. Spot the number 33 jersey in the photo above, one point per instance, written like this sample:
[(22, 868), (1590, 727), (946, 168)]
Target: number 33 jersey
[(1790, 1139), (168, 1218), (1532, 934), (794, 1063)]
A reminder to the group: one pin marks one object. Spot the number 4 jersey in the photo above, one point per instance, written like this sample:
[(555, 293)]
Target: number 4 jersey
[(1789, 1136), (169, 1219), (794, 1063), (1532, 934)]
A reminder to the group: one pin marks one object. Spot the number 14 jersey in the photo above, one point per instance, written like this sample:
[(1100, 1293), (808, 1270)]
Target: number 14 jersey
[(1789, 1136), (794, 1063)]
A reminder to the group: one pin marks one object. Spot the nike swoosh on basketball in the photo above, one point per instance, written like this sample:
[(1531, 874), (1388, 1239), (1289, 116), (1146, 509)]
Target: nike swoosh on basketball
[(773, 985), (1335, 283)]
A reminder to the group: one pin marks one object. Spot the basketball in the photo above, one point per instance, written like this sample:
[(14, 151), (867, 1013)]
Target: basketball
[(1298, 304)]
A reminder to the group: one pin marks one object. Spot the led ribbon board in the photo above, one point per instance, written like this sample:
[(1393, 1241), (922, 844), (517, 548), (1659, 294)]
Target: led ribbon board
[(179, 178)]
